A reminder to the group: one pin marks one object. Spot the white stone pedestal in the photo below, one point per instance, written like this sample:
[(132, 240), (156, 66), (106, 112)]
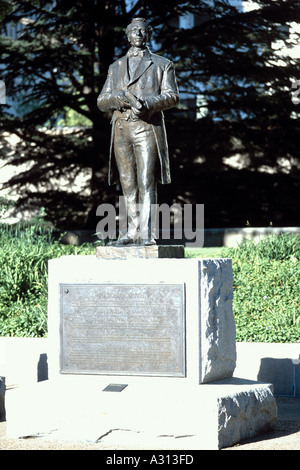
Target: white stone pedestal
[(210, 350), (204, 408)]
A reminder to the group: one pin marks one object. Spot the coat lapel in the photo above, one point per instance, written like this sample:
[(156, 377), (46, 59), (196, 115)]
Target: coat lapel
[(124, 71), (144, 64)]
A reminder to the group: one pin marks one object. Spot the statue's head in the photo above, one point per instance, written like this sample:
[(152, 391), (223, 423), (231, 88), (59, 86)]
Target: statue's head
[(139, 32)]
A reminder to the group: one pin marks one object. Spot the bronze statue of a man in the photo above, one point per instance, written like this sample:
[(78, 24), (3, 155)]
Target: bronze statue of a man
[(138, 88)]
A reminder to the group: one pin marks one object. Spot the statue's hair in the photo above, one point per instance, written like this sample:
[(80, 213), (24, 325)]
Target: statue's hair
[(139, 20)]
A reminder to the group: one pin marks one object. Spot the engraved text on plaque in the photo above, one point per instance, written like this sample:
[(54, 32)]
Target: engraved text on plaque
[(126, 329)]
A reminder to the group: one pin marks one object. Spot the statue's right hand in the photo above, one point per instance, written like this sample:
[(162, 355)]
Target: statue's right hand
[(133, 100), (122, 99)]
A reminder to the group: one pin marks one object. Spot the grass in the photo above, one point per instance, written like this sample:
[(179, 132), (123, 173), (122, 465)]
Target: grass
[(214, 252)]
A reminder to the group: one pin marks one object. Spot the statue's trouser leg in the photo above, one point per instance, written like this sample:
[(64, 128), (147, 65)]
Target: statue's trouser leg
[(137, 160)]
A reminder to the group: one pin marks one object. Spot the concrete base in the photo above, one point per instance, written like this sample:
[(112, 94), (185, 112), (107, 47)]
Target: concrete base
[(147, 414)]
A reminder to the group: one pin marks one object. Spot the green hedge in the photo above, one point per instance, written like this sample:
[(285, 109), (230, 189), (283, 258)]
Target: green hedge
[(266, 289), (24, 254), (266, 301)]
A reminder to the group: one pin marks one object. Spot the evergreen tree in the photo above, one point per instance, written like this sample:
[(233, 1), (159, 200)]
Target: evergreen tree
[(57, 64)]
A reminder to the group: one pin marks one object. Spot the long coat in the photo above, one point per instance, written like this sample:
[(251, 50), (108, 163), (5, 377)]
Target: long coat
[(154, 83)]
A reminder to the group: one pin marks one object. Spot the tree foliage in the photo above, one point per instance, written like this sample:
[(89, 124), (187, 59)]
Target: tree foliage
[(57, 65)]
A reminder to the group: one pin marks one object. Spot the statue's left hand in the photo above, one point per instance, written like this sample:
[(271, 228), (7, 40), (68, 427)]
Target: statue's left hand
[(137, 113)]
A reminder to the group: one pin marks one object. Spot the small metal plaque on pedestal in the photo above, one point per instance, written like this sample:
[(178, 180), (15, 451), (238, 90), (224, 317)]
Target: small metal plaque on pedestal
[(115, 388), (122, 329)]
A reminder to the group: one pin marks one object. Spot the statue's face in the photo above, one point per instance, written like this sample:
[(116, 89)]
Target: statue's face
[(138, 35)]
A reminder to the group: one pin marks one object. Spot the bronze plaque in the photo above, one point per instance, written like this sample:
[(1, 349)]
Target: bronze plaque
[(122, 329)]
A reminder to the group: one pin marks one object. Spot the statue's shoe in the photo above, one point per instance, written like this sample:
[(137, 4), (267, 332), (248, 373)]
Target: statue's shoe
[(148, 242), (123, 242)]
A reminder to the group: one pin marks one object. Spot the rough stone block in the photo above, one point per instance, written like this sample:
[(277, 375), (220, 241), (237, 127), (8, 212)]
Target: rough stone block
[(244, 413), (218, 348)]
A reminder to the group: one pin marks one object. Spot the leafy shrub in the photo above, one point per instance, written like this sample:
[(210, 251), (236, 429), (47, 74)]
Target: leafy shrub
[(266, 301), (274, 247), (24, 254), (266, 290), (26, 318)]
